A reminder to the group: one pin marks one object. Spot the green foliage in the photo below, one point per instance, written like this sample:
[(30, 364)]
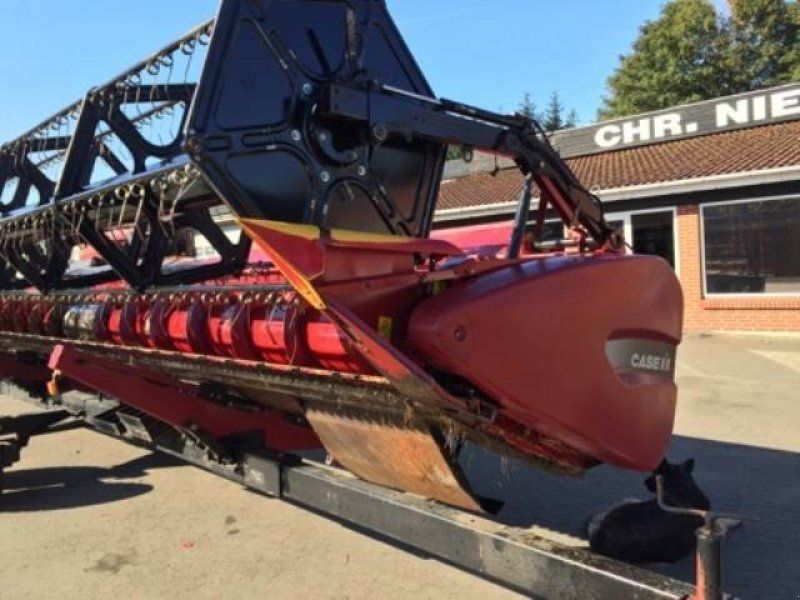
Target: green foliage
[(765, 43), (692, 53), (675, 60), (455, 152), (552, 118), (572, 119), (527, 108)]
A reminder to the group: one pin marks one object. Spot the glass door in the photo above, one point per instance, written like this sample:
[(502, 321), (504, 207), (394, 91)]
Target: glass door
[(652, 233), (648, 232)]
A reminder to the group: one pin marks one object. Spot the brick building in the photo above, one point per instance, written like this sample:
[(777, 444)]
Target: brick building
[(712, 187)]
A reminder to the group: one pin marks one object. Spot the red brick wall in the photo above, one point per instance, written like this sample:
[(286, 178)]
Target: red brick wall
[(753, 313)]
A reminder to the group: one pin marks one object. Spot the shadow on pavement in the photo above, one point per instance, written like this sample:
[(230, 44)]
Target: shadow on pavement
[(760, 557), (54, 488)]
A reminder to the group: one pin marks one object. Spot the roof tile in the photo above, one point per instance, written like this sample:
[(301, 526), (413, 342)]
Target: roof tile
[(744, 150)]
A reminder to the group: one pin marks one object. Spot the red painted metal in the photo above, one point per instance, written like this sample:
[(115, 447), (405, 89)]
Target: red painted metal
[(272, 327), (366, 306), (533, 336), (22, 372), (5, 314), (228, 330), (115, 320), (54, 321), (18, 316), (274, 332), (36, 317), (486, 239), (135, 326), (159, 332), (172, 402), (187, 326), (330, 348)]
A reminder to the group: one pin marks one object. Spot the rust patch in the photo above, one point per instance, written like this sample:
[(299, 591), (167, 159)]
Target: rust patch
[(393, 453)]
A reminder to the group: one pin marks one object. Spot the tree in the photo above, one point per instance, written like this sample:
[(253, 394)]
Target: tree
[(692, 53), (765, 43), (553, 118), (676, 59), (794, 61), (572, 119), (527, 108)]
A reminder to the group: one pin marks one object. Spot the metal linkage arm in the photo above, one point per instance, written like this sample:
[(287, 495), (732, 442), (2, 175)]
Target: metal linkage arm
[(390, 112)]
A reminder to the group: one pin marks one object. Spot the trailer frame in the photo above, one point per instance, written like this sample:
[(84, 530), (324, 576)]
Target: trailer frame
[(535, 562)]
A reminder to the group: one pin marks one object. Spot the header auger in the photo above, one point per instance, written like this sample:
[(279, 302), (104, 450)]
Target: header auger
[(300, 140)]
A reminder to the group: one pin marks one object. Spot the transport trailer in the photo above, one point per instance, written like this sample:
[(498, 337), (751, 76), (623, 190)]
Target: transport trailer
[(231, 240), (534, 561)]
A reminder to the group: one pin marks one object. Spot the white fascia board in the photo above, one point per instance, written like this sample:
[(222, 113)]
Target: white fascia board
[(650, 190), (701, 184)]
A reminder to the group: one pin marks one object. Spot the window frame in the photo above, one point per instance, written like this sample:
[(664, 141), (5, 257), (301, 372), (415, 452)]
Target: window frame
[(745, 295), (626, 217)]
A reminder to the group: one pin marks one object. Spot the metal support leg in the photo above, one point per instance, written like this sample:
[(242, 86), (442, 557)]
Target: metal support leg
[(708, 555), (709, 563)]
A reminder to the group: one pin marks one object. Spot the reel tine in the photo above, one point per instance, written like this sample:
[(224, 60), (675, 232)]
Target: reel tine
[(110, 226), (3, 244), (74, 223), (17, 239), (97, 218), (81, 238), (161, 200), (122, 211), (138, 78), (35, 221), (168, 61), (188, 48), (138, 216)]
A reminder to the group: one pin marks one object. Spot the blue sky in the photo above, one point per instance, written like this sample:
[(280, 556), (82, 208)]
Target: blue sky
[(482, 52)]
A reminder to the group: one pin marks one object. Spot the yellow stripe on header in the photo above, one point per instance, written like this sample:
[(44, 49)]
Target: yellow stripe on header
[(297, 280), (308, 232), (347, 235)]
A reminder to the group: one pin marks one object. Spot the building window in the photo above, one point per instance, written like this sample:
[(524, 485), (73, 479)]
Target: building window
[(752, 247), (652, 233), (648, 232)]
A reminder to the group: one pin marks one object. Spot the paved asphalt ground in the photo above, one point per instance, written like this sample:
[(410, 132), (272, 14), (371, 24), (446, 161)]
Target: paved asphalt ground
[(85, 516)]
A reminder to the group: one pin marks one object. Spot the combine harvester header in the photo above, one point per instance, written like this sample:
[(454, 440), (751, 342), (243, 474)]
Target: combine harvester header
[(331, 320)]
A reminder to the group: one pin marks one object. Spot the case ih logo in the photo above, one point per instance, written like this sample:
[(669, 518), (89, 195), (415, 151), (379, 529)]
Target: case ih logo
[(626, 355), (734, 112), (650, 362)]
